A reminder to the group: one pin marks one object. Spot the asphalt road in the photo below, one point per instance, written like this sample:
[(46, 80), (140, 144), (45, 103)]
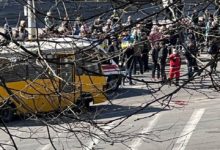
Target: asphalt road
[(191, 122)]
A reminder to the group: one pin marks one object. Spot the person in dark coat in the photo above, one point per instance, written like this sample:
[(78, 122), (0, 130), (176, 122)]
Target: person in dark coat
[(114, 51), (155, 59), (145, 52), (163, 57), (138, 47), (173, 37), (191, 54), (148, 24), (8, 35), (129, 63), (195, 17), (97, 26), (214, 52)]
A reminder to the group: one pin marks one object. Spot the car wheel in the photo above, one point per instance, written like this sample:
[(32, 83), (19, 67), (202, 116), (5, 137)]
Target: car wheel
[(7, 113), (113, 83)]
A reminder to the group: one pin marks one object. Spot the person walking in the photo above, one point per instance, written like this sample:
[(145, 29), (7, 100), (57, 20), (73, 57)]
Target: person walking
[(175, 64)]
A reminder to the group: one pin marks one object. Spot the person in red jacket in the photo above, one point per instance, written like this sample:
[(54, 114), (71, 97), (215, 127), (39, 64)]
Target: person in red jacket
[(175, 64)]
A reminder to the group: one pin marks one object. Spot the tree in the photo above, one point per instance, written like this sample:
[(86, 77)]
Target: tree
[(72, 123)]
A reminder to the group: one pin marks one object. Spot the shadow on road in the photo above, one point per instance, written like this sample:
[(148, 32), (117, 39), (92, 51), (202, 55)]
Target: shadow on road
[(114, 111), (102, 111), (128, 92), (95, 113)]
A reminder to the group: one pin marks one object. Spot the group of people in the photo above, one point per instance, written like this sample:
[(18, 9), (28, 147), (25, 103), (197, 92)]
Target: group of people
[(166, 43), (19, 33), (131, 43)]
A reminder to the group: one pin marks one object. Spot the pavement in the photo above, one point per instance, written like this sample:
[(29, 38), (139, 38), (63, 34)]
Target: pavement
[(191, 122)]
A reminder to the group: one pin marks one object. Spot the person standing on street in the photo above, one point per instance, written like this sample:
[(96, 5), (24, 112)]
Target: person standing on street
[(138, 46), (76, 26), (191, 55), (113, 50), (127, 47), (97, 26), (214, 52), (8, 35), (21, 33), (155, 59), (49, 22), (145, 52), (163, 57), (175, 64), (195, 18)]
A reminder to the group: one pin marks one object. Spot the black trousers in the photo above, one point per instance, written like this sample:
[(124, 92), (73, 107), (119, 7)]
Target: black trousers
[(192, 65), (138, 60), (145, 60), (156, 67), (129, 68), (162, 70)]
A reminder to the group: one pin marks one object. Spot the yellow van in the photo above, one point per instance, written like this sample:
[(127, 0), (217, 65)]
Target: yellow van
[(64, 78)]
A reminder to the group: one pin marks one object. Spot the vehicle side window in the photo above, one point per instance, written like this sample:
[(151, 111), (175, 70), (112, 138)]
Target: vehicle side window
[(92, 69), (66, 73), (38, 69), (16, 72), (88, 62)]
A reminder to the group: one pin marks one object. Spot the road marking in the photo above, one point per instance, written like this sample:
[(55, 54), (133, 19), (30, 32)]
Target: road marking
[(48, 146), (188, 130), (92, 144), (138, 141), (135, 86), (95, 140)]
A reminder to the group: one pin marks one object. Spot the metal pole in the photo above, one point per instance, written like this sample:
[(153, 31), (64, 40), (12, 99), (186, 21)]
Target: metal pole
[(31, 19)]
